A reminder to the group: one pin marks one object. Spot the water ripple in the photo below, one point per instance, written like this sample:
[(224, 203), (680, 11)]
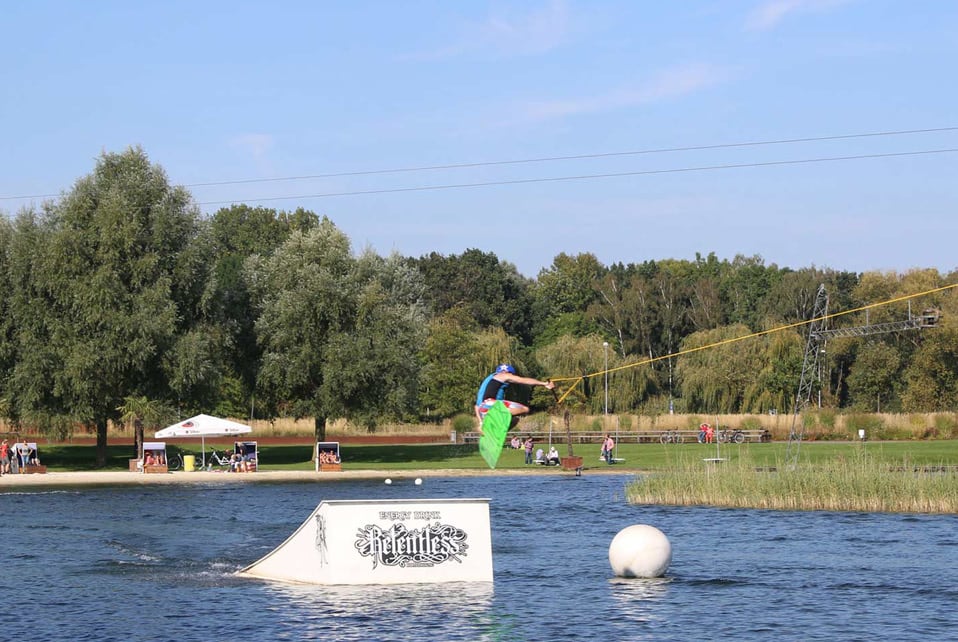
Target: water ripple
[(735, 574)]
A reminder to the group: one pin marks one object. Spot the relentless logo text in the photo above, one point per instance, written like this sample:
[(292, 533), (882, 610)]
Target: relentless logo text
[(398, 546)]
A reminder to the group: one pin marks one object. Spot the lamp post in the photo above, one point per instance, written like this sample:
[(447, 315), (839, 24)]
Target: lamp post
[(605, 346)]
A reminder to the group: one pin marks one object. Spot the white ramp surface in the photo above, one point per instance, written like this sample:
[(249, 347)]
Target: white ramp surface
[(385, 542)]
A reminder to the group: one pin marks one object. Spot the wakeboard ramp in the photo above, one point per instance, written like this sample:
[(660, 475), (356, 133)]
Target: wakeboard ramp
[(392, 541)]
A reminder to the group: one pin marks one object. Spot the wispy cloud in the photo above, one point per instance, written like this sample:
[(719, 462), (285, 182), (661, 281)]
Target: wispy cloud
[(669, 84), (255, 145), (254, 150), (509, 34), (769, 15)]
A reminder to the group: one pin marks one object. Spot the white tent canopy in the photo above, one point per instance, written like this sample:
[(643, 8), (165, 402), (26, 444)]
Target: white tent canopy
[(203, 426)]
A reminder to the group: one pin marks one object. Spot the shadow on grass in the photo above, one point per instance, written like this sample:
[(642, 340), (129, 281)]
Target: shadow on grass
[(386, 454), (375, 454), (83, 458)]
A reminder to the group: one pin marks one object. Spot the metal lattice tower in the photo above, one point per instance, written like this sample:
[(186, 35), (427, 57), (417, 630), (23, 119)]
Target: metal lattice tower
[(809, 376), (817, 335)]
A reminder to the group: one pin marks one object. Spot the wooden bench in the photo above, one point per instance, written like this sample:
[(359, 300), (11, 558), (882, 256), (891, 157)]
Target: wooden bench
[(541, 436), (623, 437), (36, 469), (330, 468)]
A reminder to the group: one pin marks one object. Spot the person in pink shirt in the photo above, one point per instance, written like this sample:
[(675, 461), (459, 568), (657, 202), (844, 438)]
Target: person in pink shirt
[(608, 445)]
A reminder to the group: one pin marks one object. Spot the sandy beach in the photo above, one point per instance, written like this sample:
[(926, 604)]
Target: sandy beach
[(123, 478)]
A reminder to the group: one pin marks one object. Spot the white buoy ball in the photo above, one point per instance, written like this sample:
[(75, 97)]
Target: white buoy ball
[(388, 481), (418, 482), (640, 551)]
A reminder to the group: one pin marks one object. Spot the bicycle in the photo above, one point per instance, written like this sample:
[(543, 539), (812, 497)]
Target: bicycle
[(175, 462), (731, 436), (670, 437)]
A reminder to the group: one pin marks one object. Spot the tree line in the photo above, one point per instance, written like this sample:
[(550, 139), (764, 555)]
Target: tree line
[(122, 302)]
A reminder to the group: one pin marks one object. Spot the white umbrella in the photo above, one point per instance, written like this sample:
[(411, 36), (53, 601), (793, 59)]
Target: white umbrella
[(203, 426)]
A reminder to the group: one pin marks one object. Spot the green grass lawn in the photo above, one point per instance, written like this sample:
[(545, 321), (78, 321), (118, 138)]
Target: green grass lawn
[(459, 456)]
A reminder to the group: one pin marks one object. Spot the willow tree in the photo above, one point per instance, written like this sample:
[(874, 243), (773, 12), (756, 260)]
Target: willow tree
[(773, 386), (714, 375), (339, 334), (569, 358), (302, 297), (106, 294), (371, 368)]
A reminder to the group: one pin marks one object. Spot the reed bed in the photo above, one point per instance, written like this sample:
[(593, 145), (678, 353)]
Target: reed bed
[(847, 484)]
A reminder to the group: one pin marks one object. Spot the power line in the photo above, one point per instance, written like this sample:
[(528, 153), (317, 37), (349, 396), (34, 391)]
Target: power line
[(543, 159), (546, 159), (556, 179)]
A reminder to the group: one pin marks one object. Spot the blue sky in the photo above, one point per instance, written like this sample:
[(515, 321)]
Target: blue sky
[(230, 91)]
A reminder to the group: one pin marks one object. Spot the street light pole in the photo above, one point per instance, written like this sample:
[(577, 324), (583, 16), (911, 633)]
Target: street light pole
[(605, 345)]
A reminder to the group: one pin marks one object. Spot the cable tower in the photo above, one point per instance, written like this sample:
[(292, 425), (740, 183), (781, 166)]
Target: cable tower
[(814, 347), (808, 378)]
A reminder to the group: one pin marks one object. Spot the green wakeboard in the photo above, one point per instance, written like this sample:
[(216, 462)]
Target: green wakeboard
[(495, 425)]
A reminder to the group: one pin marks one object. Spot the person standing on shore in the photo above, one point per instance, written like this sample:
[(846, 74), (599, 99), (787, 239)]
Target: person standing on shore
[(608, 446), (4, 458), (24, 451)]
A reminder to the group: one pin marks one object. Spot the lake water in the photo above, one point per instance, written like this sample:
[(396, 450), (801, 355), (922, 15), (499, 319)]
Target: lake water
[(158, 563)]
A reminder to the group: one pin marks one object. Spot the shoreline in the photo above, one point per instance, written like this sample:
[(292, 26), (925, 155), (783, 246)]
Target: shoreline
[(125, 478)]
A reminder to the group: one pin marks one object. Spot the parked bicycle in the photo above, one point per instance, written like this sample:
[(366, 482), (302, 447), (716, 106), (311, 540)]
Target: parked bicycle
[(731, 436), (670, 437), (213, 458)]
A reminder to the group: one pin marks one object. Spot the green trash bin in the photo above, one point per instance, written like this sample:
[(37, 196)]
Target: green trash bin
[(189, 463)]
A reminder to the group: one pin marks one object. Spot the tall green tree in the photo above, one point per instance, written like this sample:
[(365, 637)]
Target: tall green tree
[(340, 335), (562, 296), (29, 353), (117, 276), (238, 232), (371, 370), (931, 377), (449, 375), (489, 291), (747, 282), (873, 382), (302, 297)]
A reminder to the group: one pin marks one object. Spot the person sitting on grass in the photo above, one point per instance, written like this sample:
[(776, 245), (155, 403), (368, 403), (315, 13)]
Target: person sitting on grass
[(553, 457)]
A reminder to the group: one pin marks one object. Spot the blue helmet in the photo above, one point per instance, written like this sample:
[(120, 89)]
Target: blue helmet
[(505, 367)]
